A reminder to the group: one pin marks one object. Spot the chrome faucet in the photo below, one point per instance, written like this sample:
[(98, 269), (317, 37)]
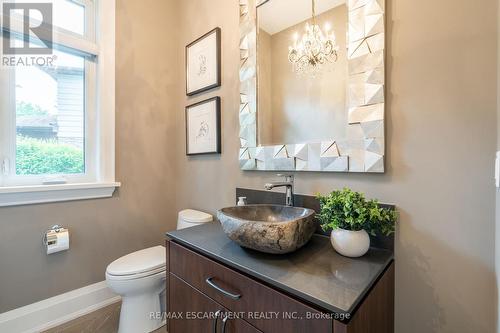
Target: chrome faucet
[(289, 188)]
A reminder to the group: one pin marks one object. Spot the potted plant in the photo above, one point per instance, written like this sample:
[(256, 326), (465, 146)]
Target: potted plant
[(352, 218)]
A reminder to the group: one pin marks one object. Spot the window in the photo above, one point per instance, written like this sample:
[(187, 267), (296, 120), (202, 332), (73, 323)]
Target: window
[(56, 122)]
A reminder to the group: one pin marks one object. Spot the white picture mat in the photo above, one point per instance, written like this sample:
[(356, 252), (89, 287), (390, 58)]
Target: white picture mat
[(202, 128), (202, 64)]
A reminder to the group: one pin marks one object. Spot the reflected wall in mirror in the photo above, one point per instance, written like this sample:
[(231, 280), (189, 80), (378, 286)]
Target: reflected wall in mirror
[(304, 102), (326, 112)]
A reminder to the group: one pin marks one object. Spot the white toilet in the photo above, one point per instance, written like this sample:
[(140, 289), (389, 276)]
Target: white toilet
[(139, 278)]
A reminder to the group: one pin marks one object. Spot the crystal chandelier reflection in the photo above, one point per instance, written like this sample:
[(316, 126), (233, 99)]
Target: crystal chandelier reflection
[(314, 49)]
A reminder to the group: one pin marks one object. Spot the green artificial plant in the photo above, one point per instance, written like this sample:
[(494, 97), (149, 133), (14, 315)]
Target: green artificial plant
[(349, 210)]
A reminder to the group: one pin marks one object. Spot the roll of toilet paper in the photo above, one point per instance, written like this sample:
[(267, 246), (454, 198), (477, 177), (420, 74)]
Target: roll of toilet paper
[(57, 240)]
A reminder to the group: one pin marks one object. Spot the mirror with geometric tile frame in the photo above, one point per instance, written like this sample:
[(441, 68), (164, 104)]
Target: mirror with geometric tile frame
[(357, 143)]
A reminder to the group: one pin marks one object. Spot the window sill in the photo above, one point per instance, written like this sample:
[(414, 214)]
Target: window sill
[(27, 195)]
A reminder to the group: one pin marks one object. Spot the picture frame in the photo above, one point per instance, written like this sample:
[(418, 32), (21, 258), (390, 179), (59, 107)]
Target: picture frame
[(203, 127), (203, 63)]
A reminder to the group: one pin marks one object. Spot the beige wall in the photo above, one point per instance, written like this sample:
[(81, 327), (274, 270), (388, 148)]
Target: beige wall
[(441, 132), (441, 135), (143, 209)]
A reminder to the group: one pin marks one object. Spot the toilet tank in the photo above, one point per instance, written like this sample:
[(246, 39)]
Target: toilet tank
[(190, 218)]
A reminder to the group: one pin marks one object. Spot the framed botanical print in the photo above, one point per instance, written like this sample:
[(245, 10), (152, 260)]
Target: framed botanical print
[(203, 127), (203, 63)]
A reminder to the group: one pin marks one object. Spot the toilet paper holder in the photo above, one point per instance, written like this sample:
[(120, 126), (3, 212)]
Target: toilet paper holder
[(56, 239)]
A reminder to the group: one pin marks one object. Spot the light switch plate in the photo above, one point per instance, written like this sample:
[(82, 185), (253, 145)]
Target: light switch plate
[(497, 170)]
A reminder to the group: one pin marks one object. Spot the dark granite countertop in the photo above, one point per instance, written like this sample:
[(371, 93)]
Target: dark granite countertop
[(315, 273)]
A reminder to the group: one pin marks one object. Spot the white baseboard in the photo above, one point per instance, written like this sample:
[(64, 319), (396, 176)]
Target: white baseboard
[(57, 310)]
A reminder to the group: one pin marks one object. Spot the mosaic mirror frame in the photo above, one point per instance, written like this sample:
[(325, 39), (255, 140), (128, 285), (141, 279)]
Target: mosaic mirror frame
[(363, 149)]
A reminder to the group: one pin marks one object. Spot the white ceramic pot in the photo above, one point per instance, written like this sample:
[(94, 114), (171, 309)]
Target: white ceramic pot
[(350, 243)]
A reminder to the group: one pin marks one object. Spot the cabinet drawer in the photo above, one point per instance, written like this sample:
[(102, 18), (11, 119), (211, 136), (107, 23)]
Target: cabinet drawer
[(200, 314), (264, 307)]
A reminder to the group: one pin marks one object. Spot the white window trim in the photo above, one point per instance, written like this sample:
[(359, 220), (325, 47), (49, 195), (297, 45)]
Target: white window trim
[(105, 183), (26, 195)]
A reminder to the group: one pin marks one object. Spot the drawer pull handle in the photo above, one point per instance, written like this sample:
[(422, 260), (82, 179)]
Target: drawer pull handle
[(216, 318), (224, 323), (222, 291)]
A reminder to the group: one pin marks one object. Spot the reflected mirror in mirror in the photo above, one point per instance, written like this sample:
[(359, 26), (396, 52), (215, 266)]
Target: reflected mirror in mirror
[(302, 71)]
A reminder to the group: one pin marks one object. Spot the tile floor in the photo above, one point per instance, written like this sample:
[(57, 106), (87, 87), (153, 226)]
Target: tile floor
[(104, 320)]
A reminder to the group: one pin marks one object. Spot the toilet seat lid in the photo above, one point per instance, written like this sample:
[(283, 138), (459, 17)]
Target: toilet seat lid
[(141, 261), (195, 216)]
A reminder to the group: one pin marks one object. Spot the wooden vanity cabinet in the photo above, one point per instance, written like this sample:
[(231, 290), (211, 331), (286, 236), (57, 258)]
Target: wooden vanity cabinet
[(206, 296)]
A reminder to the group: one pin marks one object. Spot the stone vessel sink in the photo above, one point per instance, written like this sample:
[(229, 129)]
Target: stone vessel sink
[(268, 228)]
